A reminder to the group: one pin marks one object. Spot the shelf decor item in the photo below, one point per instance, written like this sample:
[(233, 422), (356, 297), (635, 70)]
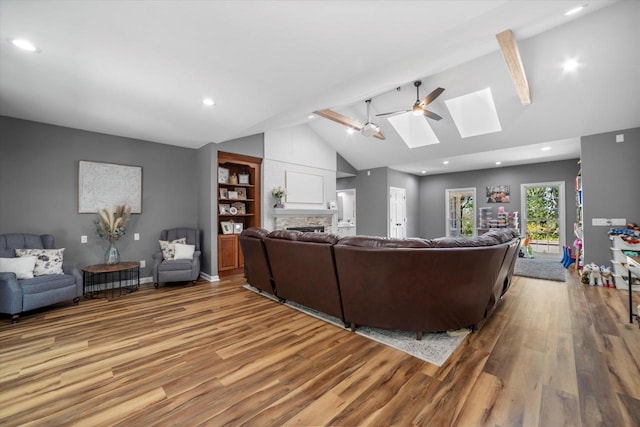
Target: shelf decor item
[(243, 178), (111, 225), (279, 192), (223, 175), (227, 227)]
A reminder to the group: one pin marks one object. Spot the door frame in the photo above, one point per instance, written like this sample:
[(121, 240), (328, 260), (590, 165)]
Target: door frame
[(562, 214), (447, 193)]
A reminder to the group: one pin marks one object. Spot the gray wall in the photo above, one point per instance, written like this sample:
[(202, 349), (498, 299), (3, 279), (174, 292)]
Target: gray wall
[(343, 167), (610, 185), (432, 191), (371, 200), (206, 166), (39, 187)]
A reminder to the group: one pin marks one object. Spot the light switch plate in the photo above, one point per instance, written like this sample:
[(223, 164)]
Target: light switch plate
[(136, 236), (83, 239), (143, 264)]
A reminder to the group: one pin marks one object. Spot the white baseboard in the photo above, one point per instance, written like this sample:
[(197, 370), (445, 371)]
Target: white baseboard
[(146, 280), (210, 278)]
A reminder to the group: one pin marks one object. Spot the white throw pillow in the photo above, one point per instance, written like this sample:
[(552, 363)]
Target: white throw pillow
[(49, 261), (21, 266), (184, 251), (168, 248)]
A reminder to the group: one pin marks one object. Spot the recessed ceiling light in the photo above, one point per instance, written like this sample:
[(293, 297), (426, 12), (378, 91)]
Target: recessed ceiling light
[(208, 102), (546, 148), (574, 10), (498, 163), (25, 45), (310, 116), (570, 65), (350, 131), (446, 162), (423, 172)]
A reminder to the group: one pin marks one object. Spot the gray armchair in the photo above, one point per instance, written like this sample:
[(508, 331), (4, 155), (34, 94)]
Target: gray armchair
[(177, 270), (20, 295)]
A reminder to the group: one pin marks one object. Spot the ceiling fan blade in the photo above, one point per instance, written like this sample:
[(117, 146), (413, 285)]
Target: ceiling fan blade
[(339, 118), (379, 135), (393, 112), (431, 115), (431, 97)]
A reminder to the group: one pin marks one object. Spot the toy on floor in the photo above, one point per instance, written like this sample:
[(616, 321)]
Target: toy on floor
[(525, 250), (594, 274), (567, 257), (607, 277)]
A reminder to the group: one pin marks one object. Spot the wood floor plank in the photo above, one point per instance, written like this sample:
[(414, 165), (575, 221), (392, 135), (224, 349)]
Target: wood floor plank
[(217, 354)]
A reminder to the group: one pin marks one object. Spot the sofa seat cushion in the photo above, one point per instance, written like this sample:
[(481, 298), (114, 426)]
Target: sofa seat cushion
[(46, 283), (175, 264)]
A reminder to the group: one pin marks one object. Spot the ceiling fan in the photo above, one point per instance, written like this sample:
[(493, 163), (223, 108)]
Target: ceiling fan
[(367, 129), (419, 106)]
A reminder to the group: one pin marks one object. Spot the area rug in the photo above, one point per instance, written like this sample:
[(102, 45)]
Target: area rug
[(434, 348), (540, 269)]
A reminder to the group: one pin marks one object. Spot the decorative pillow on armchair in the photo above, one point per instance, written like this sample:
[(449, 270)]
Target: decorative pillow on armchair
[(48, 261), (22, 267), (184, 251), (169, 248)]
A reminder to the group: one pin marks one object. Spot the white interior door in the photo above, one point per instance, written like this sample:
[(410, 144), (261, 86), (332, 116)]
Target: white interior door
[(397, 213)]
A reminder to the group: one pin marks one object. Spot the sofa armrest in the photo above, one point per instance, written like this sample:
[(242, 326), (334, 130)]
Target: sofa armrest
[(157, 257), (10, 294), (71, 269)]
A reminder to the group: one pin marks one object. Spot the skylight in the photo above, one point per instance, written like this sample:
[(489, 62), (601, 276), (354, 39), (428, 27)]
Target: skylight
[(414, 130), (474, 114)]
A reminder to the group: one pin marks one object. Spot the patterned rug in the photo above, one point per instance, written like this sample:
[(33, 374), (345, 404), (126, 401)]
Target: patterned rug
[(540, 269), (434, 348)]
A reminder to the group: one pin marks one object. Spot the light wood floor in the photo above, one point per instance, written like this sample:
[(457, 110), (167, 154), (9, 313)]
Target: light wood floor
[(215, 354)]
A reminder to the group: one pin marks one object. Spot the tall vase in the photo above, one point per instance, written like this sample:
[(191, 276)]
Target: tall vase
[(112, 256)]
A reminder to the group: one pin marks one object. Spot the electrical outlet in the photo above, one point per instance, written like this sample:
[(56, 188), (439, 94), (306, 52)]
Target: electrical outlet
[(136, 236), (143, 264), (83, 239)]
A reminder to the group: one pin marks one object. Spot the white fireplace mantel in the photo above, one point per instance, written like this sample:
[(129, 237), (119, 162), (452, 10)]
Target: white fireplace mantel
[(304, 212)]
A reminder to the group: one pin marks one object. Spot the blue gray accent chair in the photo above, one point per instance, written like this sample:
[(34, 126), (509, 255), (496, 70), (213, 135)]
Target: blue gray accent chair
[(177, 270), (20, 295)]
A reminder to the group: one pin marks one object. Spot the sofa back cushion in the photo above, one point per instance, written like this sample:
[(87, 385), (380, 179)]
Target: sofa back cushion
[(383, 242), (303, 269), (256, 263), (12, 241)]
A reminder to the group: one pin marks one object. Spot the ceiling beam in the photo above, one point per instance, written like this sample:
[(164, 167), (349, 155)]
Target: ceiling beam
[(514, 64)]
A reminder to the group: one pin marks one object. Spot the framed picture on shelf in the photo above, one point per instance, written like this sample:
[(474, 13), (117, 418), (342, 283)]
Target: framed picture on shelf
[(227, 227), (233, 194), (223, 175), (224, 194), (242, 193), (237, 227), (240, 208), (243, 178), (223, 208)]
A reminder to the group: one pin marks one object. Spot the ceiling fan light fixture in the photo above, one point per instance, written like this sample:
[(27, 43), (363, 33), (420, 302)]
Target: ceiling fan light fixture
[(417, 109), (370, 129)]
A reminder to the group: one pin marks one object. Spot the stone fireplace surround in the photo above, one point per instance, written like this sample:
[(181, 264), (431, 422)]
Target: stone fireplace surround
[(304, 218)]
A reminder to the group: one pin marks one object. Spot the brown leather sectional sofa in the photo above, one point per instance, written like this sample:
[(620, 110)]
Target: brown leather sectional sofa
[(407, 284)]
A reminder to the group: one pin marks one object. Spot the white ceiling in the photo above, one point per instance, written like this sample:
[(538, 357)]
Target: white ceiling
[(141, 68)]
